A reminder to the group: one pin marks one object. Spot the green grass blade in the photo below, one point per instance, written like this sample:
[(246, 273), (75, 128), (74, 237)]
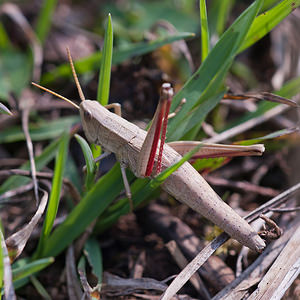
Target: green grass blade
[(265, 22), (41, 131), (55, 191), (4, 39), (93, 254), (92, 62), (268, 4), (40, 161), (204, 30), (39, 288), (218, 16), (31, 268), (45, 19), (91, 206), (106, 61), (270, 136), (220, 57), (91, 166)]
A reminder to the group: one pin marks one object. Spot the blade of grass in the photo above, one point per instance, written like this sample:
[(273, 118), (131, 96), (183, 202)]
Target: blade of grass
[(92, 62), (55, 192), (270, 136), (45, 19), (4, 40), (265, 22), (31, 268), (204, 30), (218, 16), (106, 61), (91, 166), (93, 254), (103, 192), (219, 57)]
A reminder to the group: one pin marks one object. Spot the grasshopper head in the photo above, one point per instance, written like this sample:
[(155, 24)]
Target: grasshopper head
[(88, 111)]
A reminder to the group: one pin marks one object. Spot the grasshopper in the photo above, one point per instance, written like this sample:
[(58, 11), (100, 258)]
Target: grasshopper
[(137, 149)]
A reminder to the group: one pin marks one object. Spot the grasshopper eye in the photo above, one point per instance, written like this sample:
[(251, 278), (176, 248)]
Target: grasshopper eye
[(88, 114)]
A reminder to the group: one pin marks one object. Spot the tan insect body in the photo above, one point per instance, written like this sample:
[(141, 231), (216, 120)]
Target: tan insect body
[(125, 139)]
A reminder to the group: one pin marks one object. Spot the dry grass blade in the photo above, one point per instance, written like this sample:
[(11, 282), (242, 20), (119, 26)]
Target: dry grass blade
[(181, 261), (262, 96), (247, 125), (282, 273), (193, 266), (9, 292), (20, 190), (25, 106), (16, 242)]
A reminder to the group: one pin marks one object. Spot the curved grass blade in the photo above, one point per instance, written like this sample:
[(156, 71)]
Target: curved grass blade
[(55, 191), (106, 61), (31, 268), (4, 109), (265, 22), (17, 241), (92, 62), (274, 135), (204, 30), (93, 254), (91, 166)]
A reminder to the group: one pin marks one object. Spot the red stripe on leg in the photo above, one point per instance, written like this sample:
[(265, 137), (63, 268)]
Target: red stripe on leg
[(163, 135), (155, 142)]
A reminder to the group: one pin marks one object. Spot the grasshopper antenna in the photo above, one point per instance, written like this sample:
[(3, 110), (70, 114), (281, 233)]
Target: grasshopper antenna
[(55, 94), (81, 95)]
